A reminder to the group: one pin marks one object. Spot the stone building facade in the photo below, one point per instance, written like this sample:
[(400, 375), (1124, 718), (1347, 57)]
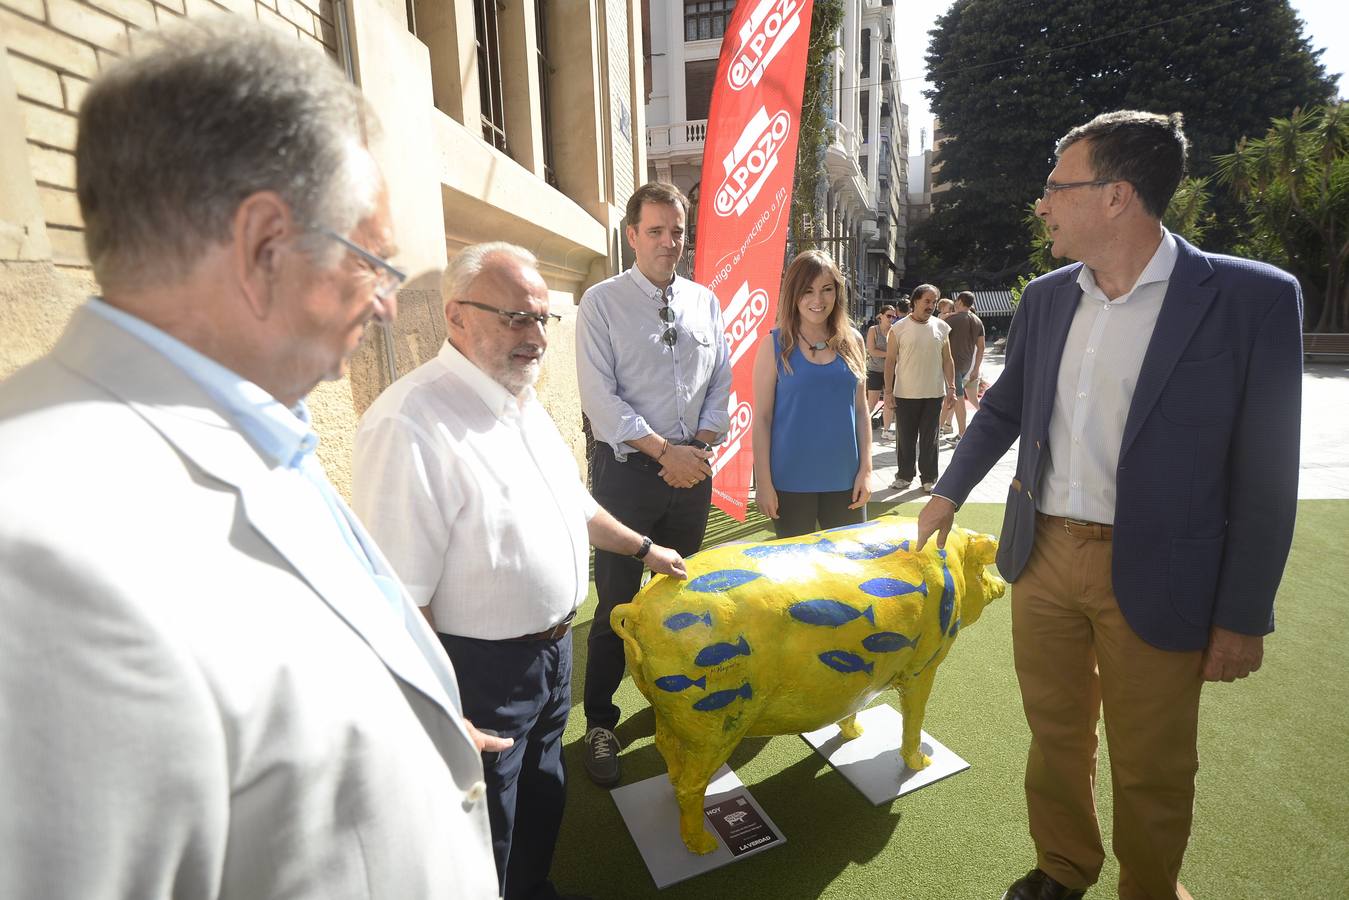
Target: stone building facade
[(500, 121)]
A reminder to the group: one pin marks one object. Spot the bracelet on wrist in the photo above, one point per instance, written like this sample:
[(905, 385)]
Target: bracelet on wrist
[(645, 549), (663, 450)]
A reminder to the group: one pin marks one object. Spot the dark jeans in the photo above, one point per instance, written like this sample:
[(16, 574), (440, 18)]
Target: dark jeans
[(798, 513), (916, 421), (520, 690), (635, 494)]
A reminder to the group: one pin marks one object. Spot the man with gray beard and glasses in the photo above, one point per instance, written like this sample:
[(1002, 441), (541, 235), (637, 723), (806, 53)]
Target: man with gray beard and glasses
[(211, 683), (468, 486)]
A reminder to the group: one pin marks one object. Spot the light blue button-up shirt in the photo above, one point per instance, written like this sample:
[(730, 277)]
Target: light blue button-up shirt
[(632, 383), (282, 435)]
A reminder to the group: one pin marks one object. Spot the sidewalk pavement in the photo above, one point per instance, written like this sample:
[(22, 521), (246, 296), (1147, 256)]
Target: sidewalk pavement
[(1323, 472)]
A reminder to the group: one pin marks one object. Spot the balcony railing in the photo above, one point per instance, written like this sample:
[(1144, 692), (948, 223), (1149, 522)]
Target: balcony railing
[(843, 137), (676, 137)]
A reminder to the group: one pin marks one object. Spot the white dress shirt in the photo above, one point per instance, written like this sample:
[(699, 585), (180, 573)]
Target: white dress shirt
[(632, 383), (1097, 376), (475, 499)]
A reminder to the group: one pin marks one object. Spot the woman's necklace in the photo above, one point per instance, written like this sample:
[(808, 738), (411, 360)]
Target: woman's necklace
[(816, 345)]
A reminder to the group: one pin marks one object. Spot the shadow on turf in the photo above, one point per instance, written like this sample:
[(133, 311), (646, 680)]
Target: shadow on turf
[(829, 826)]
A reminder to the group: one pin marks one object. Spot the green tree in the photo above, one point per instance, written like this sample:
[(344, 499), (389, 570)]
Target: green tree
[(1187, 215), (1295, 185), (1011, 77)]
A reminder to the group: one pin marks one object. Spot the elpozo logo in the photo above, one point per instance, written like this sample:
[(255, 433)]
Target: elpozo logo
[(742, 418), (762, 37), (751, 160), (744, 314)]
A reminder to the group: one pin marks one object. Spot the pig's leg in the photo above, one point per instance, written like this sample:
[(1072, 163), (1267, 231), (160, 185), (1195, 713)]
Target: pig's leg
[(670, 748), (913, 696), (849, 728), (700, 761)]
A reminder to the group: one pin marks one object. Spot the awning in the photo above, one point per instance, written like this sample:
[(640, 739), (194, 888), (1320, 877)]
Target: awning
[(993, 303)]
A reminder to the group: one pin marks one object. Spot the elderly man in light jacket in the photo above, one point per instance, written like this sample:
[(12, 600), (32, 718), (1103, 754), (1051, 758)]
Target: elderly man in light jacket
[(211, 683)]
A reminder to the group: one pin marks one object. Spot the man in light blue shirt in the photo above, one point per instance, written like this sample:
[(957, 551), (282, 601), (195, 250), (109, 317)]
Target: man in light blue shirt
[(655, 376)]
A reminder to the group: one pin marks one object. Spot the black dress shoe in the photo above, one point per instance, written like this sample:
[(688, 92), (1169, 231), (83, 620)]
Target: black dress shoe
[(1036, 885)]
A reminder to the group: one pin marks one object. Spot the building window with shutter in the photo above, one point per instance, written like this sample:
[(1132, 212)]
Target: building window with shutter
[(545, 89), (699, 77), (705, 20), (489, 73)]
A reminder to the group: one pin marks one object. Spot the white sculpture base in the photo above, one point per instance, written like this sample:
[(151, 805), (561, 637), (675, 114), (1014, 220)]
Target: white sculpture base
[(872, 764), (651, 815)]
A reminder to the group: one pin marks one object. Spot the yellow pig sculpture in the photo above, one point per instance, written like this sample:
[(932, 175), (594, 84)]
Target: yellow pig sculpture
[(788, 636)]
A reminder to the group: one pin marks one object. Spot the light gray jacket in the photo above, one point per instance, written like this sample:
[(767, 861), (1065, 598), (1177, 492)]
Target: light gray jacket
[(198, 698)]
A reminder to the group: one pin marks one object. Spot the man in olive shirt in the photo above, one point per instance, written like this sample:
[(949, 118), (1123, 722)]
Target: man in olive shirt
[(967, 349)]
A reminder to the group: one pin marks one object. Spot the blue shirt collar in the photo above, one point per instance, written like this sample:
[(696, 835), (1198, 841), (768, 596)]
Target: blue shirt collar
[(284, 436), (649, 289)]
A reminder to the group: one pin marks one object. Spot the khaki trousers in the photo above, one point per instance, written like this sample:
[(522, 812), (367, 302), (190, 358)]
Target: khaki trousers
[(1076, 655)]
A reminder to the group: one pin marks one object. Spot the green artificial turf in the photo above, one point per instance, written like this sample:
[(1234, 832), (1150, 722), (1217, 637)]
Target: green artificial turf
[(1271, 817)]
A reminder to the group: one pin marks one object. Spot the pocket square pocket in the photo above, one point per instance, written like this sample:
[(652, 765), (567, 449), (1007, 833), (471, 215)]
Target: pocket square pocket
[(1016, 484)]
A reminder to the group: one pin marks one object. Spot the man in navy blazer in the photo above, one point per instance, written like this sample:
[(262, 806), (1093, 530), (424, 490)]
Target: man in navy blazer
[(1156, 393)]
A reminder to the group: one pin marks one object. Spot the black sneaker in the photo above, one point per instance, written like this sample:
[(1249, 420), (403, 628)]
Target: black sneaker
[(601, 759)]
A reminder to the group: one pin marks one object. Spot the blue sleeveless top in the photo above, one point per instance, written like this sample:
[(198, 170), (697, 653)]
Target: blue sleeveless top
[(814, 445)]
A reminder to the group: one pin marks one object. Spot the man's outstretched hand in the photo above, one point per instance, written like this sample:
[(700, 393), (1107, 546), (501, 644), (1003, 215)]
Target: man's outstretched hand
[(937, 517)]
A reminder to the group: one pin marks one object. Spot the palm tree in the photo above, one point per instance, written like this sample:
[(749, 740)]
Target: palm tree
[(1295, 184)]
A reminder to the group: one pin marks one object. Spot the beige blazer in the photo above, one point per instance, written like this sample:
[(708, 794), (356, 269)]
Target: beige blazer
[(199, 698)]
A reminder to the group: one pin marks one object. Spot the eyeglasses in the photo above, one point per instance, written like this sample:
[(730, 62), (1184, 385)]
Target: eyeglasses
[(387, 278), (1053, 187), (515, 318), (670, 337)]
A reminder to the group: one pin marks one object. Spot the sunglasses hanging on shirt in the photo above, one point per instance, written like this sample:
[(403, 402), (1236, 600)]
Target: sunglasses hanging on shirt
[(667, 316)]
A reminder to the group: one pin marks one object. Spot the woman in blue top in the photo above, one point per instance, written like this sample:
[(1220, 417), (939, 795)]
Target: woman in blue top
[(812, 430)]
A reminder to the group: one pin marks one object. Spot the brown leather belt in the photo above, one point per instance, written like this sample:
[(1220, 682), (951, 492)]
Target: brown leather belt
[(1086, 531), (549, 634)]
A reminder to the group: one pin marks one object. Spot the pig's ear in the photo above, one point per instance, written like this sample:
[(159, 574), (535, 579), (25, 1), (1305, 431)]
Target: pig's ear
[(983, 548)]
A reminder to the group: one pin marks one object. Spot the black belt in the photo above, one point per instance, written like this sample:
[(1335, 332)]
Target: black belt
[(1087, 531), (642, 461), (548, 634)]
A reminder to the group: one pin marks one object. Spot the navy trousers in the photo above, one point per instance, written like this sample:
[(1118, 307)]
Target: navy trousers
[(635, 494), (520, 690)]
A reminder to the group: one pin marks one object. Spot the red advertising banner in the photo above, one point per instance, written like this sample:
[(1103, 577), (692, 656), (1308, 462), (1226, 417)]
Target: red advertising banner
[(749, 161)]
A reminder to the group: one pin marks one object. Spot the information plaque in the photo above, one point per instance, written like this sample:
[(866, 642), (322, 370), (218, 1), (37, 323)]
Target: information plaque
[(651, 815)]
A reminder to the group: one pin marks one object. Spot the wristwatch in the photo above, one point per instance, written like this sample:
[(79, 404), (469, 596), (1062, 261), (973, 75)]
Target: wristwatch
[(646, 548), (701, 445)]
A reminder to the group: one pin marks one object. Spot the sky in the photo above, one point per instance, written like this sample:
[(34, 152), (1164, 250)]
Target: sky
[(1326, 23)]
